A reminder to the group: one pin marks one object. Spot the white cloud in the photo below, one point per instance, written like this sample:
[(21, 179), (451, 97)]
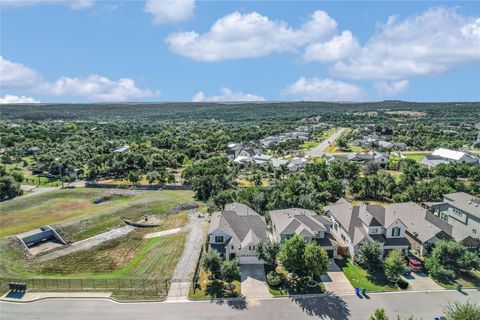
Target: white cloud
[(249, 35), (431, 42), (74, 4), (16, 74), (17, 99), (227, 95), (314, 89), (95, 87), (167, 11), (337, 48), (391, 88), (92, 87)]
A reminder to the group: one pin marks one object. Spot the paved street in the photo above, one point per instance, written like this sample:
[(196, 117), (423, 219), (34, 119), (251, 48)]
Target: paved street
[(254, 282), (423, 305), (318, 151)]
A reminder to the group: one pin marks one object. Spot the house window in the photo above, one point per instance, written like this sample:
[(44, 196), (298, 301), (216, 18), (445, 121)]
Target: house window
[(251, 247), (232, 247), (219, 239), (396, 232), (474, 231), (374, 231)]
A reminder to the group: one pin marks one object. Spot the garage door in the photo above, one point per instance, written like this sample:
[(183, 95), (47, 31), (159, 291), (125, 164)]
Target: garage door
[(248, 259)]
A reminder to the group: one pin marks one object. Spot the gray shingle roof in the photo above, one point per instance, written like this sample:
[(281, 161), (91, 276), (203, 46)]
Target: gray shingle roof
[(298, 221)]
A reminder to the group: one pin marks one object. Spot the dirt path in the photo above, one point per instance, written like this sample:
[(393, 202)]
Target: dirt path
[(162, 233), (88, 243), (183, 273)]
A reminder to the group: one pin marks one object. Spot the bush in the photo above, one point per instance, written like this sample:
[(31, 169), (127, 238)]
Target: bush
[(370, 256), (274, 279), (402, 284)]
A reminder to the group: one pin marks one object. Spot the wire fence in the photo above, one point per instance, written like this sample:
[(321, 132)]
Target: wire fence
[(156, 287)]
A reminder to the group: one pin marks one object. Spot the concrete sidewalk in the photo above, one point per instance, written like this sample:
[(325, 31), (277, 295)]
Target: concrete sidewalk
[(34, 296)]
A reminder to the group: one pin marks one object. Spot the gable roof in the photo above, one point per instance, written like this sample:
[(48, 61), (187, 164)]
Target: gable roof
[(241, 223), (465, 202), (298, 221)]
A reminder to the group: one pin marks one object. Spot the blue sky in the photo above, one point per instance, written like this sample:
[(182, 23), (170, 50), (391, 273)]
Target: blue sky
[(88, 51)]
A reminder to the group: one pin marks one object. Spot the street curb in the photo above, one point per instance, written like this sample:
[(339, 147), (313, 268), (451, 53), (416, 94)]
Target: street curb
[(82, 298)]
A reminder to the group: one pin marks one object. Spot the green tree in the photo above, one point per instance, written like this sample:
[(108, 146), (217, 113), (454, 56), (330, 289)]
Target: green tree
[(291, 254), (212, 262), (369, 255), (133, 177), (394, 264), (379, 314), (462, 311), (268, 251), (230, 271), (316, 259), (9, 188)]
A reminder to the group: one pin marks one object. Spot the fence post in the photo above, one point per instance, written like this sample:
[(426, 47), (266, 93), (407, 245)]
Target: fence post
[(106, 283), (69, 284), (57, 282), (45, 283), (93, 283), (81, 283)]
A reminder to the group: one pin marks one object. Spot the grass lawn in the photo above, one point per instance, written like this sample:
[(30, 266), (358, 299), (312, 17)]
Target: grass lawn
[(356, 148), (332, 149), (207, 289), (127, 257), (73, 210), (290, 287), (307, 145), (467, 280), (416, 156), (29, 178), (359, 278)]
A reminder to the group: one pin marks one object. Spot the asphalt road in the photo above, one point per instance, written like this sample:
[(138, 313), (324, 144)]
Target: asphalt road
[(318, 151), (422, 305)]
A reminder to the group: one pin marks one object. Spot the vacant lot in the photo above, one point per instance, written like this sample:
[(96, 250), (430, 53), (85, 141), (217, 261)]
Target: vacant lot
[(73, 209), (127, 257)]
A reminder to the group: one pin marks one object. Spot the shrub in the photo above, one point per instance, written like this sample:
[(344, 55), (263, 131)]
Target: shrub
[(274, 279), (402, 284), (370, 255)]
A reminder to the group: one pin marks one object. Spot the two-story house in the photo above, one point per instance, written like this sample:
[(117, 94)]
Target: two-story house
[(424, 228), (305, 223), (462, 211), (378, 157), (353, 226), (236, 232)]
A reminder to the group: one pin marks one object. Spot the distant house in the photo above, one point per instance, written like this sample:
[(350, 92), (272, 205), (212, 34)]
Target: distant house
[(400, 145), (235, 233), (354, 226), (276, 163), (386, 144), (297, 164), (121, 149), (462, 211), (33, 150), (305, 223), (442, 155), (261, 158), (424, 229), (235, 150), (377, 157)]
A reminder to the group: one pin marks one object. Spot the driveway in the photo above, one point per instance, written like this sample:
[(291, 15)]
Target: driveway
[(183, 273), (254, 282), (335, 281), (421, 282)]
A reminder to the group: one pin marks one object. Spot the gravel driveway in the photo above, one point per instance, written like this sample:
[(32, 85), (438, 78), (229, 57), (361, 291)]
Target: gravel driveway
[(183, 273)]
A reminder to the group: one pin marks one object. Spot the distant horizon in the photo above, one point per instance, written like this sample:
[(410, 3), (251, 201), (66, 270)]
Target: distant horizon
[(92, 51)]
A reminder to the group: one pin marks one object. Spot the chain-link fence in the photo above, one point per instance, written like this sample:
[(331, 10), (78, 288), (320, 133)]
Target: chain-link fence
[(152, 287)]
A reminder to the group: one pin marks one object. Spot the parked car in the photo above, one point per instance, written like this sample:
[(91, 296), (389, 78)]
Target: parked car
[(414, 265)]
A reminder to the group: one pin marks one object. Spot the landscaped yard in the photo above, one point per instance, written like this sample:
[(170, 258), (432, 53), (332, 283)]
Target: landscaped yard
[(307, 145), (467, 280), (289, 287), (207, 289), (359, 278)]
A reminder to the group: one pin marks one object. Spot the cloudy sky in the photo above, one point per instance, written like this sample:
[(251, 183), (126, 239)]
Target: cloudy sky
[(91, 50)]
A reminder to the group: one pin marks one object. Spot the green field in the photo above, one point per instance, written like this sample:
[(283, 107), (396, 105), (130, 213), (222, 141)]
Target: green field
[(127, 257), (130, 256), (416, 156), (74, 211)]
